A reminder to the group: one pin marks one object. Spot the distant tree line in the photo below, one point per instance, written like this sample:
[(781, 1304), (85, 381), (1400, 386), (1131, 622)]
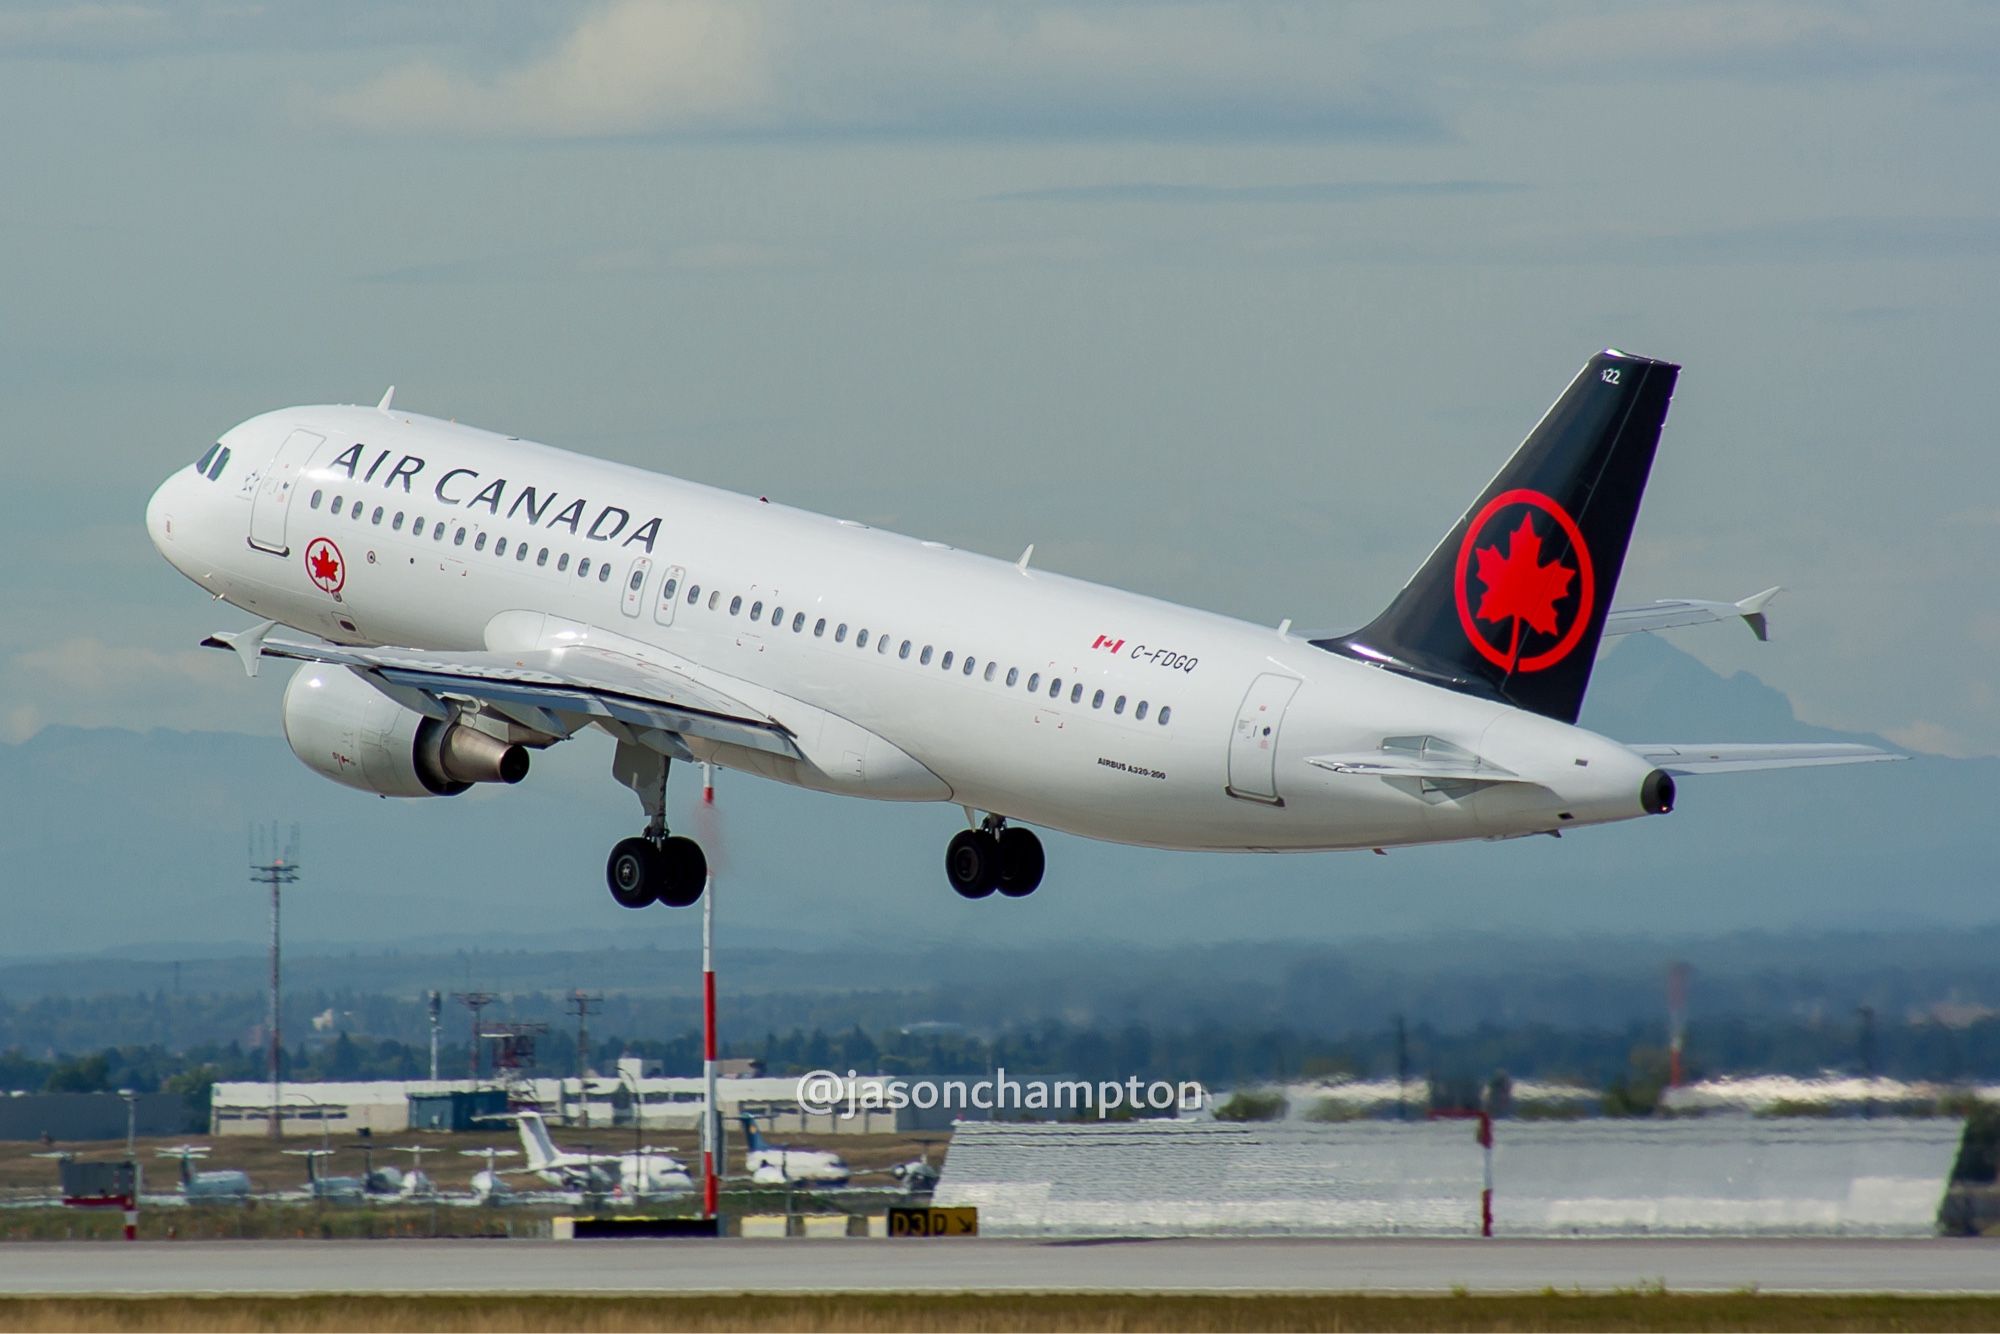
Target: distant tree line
[(1628, 1064)]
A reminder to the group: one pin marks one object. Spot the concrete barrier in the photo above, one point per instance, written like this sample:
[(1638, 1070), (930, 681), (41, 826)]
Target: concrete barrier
[(1716, 1176)]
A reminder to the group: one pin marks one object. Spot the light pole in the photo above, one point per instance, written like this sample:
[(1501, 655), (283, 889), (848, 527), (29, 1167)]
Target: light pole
[(131, 1098), (325, 1138)]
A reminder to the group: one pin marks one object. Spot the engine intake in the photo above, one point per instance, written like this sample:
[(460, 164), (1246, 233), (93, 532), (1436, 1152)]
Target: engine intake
[(345, 729)]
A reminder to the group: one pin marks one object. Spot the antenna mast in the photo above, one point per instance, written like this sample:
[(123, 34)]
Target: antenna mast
[(583, 1006), (276, 868)]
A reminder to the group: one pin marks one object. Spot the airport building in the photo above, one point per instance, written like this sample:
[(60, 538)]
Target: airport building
[(638, 1094)]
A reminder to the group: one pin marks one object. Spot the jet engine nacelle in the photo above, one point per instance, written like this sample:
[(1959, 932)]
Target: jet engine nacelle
[(349, 731)]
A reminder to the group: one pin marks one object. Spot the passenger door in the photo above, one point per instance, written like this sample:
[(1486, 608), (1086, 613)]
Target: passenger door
[(274, 494), (1253, 745)]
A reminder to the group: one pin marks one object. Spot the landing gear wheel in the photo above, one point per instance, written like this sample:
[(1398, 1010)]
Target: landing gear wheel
[(684, 872), (1021, 862), (633, 873), (972, 863)]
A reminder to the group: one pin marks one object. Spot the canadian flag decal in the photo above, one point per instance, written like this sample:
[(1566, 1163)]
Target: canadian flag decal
[(1108, 644)]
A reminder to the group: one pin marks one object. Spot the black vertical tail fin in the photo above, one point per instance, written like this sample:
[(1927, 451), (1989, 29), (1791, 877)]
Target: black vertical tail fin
[(1511, 604)]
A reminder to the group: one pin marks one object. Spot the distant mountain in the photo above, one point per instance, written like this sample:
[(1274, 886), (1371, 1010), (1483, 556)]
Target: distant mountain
[(135, 842)]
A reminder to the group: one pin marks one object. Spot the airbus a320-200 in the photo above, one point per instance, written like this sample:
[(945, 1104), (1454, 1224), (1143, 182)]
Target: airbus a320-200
[(457, 600)]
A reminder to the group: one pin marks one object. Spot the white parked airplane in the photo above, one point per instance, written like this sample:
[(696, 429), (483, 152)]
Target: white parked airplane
[(775, 1164), (224, 1183), (636, 1173), (469, 597)]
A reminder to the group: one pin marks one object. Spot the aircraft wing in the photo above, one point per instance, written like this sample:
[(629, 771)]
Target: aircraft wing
[(1695, 758), (1675, 612), (535, 686)]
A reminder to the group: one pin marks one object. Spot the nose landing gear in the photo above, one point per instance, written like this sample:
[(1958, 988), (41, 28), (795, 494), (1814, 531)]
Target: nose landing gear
[(654, 867), (994, 856)]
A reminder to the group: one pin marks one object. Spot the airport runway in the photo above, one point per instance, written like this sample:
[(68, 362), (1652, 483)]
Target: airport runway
[(831, 1265)]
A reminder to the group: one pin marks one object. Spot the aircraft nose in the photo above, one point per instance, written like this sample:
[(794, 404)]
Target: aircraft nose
[(160, 516)]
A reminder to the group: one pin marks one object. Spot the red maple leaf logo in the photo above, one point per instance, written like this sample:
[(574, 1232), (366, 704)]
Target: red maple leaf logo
[(325, 568), (1518, 586)]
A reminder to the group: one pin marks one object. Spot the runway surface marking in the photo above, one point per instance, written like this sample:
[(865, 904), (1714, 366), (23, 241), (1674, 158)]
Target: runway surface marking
[(989, 1265)]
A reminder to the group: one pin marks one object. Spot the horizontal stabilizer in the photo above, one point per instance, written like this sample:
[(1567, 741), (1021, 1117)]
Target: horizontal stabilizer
[(1425, 757), (1692, 757), (1672, 613)]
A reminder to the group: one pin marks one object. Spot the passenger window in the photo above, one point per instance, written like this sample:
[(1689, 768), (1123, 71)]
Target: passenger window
[(991, 668), (694, 594), (735, 606), (1119, 706), (839, 632), (1140, 712), (1097, 700), (1055, 688), (639, 577), (1165, 713), (316, 498), (667, 589), (221, 462), (458, 538), (208, 457), (969, 664), (338, 501), (882, 643), (479, 542), (799, 623), (543, 557), (1013, 675), (904, 651), (861, 639), (378, 515), (819, 630), (583, 568), (923, 658), (521, 552), (418, 527), (437, 531), (1034, 682), (944, 664), (756, 611), (777, 617), (604, 573), (396, 524), (562, 563), (715, 599), (1076, 694), (499, 546)]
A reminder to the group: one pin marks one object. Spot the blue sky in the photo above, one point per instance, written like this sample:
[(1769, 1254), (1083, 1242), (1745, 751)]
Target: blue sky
[(1233, 303)]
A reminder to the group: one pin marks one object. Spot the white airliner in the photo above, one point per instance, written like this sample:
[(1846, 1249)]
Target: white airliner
[(465, 598), (776, 1164), (640, 1172)]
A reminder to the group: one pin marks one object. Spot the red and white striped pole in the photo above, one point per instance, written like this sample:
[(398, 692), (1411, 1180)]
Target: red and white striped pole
[(711, 1122), (1486, 1195)]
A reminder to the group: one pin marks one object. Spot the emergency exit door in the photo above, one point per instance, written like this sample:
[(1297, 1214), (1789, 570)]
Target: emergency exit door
[(274, 492)]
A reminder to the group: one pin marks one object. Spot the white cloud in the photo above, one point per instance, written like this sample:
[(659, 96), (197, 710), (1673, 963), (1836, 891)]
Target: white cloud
[(629, 67), (85, 682), (909, 67)]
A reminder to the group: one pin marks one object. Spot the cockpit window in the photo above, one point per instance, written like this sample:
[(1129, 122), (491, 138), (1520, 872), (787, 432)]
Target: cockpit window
[(221, 462), (206, 459)]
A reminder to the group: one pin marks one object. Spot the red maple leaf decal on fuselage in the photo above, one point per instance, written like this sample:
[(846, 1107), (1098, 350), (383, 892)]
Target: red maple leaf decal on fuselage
[(1519, 587), (325, 568)]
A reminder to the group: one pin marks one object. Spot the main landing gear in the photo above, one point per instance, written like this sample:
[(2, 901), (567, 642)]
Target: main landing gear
[(994, 856), (655, 867)]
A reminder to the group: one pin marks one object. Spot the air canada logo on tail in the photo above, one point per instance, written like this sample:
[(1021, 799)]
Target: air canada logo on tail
[(1525, 586)]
